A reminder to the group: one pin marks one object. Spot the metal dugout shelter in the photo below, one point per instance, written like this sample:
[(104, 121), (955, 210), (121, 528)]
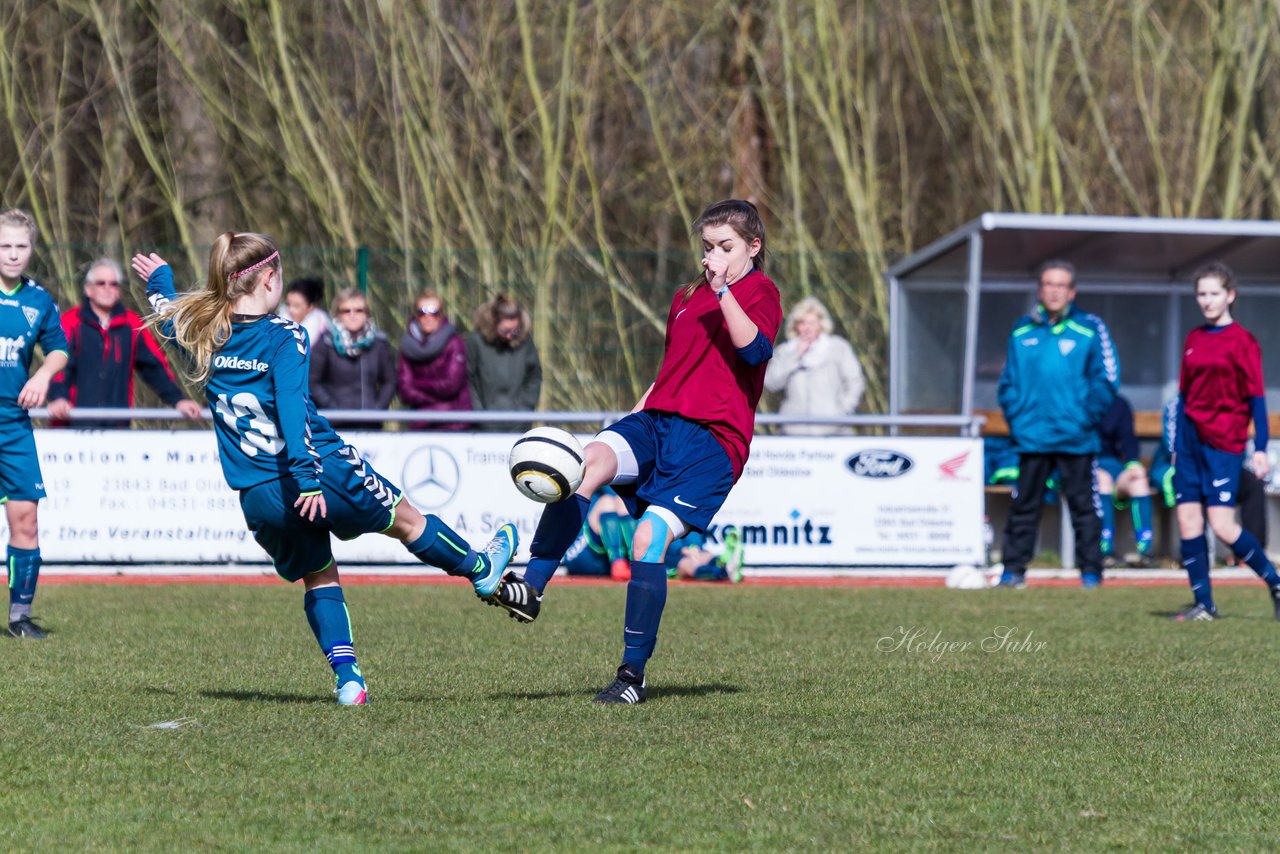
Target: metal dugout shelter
[(953, 304)]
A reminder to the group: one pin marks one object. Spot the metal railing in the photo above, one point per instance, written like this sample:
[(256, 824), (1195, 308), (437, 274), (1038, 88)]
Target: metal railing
[(964, 425)]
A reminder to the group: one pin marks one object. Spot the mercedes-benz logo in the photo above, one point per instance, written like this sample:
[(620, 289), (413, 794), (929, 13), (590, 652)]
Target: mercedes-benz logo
[(430, 477)]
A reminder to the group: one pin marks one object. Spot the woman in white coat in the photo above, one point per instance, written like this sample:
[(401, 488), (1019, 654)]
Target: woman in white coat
[(815, 372)]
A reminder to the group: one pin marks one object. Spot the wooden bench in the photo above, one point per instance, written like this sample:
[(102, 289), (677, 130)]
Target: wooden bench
[(1147, 423)]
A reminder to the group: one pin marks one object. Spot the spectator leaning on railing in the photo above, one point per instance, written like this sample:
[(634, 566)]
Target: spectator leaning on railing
[(107, 343), (432, 372), (503, 368), (815, 371), (352, 366)]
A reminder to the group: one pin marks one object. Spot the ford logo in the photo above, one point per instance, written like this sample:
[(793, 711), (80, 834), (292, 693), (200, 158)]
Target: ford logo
[(879, 464)]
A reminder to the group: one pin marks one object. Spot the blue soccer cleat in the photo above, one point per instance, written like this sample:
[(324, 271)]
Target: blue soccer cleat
[(1012, 581), (496, 555), (1090, 581)]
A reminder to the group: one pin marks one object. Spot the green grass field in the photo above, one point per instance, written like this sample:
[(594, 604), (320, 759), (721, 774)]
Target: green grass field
[(778, 719)]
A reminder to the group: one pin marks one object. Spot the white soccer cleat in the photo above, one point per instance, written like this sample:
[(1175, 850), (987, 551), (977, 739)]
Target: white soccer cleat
[(352, 694)]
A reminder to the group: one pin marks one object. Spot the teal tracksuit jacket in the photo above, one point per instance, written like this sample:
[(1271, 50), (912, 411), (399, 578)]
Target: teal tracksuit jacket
[(1059, 379)]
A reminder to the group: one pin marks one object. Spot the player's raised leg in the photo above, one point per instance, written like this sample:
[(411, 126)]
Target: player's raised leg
[(434, 543), (557, 529)]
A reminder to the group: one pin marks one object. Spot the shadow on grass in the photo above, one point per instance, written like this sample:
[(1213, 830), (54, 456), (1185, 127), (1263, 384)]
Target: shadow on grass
[(664, 691), (264, 697)]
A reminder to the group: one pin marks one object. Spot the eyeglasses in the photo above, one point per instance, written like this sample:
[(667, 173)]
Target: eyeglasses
[(106, 283), (428, 309), (353, 311)]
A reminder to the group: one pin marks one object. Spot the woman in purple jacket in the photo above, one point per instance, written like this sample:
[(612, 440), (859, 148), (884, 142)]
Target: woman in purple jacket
[(432, 372)]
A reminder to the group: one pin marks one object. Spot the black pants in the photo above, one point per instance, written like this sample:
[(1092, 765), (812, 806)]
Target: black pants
[(1077, 474)]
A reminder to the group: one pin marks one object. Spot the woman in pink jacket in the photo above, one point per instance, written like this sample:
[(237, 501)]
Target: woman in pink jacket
[(432, 373)]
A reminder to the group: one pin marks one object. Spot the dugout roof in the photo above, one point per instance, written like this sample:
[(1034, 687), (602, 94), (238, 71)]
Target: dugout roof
[(953, 303)]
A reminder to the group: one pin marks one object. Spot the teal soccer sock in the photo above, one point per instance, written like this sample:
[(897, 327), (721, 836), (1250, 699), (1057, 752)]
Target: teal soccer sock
[(327, 615), (440, 546), (615, 536), (24, 572), (1108, 522), (1142, 522)]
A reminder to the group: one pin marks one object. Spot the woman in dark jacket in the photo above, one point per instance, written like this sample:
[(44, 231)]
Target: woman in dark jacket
[(432, 373), (352, 366), (503, 368)]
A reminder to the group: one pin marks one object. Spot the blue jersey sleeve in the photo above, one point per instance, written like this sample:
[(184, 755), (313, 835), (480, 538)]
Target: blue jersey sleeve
[(289, 377), (51, 336), (160, 292)]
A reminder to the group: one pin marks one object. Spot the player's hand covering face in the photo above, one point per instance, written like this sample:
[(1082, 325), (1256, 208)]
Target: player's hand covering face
[(726, 256)]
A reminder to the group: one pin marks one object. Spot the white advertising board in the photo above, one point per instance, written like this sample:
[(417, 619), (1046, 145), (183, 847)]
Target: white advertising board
[(158, 496)]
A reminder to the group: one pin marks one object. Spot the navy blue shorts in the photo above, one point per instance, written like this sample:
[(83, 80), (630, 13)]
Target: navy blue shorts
[(358, 501), (679, 466), (1111, 466), (1201, 474), (20, 477)]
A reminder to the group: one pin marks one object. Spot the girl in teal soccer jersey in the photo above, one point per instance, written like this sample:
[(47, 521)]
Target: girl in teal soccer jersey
[(298, 481), (28, 316)]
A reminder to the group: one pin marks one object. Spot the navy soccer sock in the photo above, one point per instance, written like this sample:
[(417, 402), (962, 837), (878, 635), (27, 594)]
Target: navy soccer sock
[(559, 526), (331, 624), (1108, 522), (1249, 550), (1195, 559), (646, 597), (24, 571), (440, 546), (1142, 522)]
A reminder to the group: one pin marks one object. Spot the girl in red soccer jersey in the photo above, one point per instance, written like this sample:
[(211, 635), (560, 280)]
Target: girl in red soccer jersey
[(1220, 389), (677, 455)]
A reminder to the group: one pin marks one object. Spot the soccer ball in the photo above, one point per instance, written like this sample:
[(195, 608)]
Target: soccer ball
[(547, 464)]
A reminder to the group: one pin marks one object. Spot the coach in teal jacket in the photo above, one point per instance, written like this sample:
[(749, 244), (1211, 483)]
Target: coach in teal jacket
[(1060, 376)]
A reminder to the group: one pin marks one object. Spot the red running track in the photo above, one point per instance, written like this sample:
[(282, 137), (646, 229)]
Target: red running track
[(213, 577)]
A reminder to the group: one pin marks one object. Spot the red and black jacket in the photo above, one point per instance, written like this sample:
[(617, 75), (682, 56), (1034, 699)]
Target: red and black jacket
[(101, 362)]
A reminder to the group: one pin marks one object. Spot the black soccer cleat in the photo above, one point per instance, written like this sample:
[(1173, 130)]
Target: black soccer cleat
[(1197, 613), (1275, 600), (627, 687), (519, 597), (24, 628)]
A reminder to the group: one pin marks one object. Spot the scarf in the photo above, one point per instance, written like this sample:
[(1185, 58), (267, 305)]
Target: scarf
[(417, 346), (352, 347)]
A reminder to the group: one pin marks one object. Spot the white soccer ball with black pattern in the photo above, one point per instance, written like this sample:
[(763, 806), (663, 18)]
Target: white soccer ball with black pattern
[(547, 464)]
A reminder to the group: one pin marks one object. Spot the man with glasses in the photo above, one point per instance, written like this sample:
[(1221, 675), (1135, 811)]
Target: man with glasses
[(107, 343), (1060, 376)]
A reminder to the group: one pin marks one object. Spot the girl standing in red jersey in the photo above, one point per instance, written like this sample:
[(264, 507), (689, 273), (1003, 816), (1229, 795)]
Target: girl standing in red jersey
[(1220, 391), (677, 455)]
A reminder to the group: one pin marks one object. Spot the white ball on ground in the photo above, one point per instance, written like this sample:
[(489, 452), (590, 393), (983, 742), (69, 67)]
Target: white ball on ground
[(547, 464), (966, 576)]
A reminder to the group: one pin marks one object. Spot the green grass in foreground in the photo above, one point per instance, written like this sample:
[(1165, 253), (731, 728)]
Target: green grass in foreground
[(774, 722)]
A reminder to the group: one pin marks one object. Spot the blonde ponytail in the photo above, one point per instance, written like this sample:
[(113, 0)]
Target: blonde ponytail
[(202, 320)]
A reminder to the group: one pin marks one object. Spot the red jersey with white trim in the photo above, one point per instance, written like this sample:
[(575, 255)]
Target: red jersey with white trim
[(1221, 374), (702, 377)]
